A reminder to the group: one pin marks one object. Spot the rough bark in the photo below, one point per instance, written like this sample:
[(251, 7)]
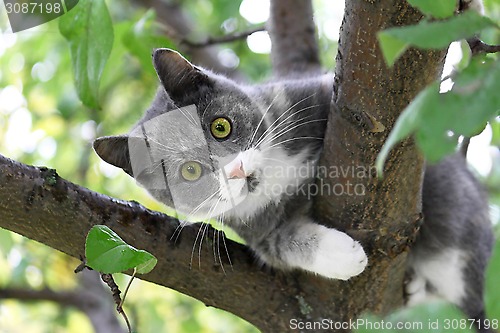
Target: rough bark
[(293, 35), (40, 205), (368, 97)]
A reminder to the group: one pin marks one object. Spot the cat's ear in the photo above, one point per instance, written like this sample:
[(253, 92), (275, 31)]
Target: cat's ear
[(115, 151), (181, 80)]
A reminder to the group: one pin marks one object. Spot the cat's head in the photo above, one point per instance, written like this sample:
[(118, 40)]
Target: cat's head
[(203, 147)]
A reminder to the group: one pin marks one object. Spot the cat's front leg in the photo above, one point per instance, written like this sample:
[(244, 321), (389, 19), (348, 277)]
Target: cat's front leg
[(315, 248)]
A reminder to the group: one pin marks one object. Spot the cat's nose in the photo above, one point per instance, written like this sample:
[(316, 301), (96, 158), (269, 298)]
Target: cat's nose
[(235, 170)]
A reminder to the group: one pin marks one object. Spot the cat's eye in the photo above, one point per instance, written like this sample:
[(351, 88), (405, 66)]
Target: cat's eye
[(191, 171), (220, 128)]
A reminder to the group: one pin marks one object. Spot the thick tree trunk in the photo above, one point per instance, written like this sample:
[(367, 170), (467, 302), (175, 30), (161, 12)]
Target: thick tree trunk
[(368, 97), (293, 35)]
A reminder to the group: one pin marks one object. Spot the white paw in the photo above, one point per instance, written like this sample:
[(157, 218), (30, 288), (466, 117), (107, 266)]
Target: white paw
[(338, 256), (416, 291)]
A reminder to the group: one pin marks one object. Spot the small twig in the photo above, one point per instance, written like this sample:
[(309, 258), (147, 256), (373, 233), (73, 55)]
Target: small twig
[(82, 265), (477, 46), (128, 287), (224, 39), (108, 279)]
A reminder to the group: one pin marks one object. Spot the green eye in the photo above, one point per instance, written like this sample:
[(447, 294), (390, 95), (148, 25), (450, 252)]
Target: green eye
[(191, 171), (220, 128)]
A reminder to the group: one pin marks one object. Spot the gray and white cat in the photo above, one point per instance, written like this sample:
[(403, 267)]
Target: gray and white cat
[(209, 147)]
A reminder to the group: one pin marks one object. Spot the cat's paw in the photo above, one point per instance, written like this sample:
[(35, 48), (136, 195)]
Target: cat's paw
[(415, 290), (338, 256)]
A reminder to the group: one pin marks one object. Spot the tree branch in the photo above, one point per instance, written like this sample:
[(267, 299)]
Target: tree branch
[(293, 35), (477, 46), (91, 298), (37, 203), (224, 39), (65, 298), (368, 97)]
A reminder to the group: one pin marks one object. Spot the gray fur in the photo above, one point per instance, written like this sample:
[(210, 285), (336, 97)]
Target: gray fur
[(280, 230), (455, 209)]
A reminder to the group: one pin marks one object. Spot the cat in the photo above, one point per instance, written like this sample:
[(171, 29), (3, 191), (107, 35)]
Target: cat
[(451, 252), (450, 255), (210, 147)]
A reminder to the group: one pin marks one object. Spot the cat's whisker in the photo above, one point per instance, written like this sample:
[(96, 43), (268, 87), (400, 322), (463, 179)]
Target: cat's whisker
[(178, 230), (206, 109), (271, 127), (293, 139), (161, 145), (285, 122), (194, 246), (206, 225), (294, 127), (158, 165), (221, 231), (218, 250), (214, 244), (197, 208), (274, 159), (203, 234), (188, 116), (205, 228), (225, 247), (289, 127), (214, 207), (261, 120), (283, 126)]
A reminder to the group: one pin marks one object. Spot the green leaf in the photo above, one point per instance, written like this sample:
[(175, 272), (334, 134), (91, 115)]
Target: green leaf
[(106, 252), (431, 35), (392, 47), (495, 128), (435, 316), (492, 294), (141, 38), (89, 31), (407, 123), (474, 99), (436, 144), (437, 120), (437, 9)]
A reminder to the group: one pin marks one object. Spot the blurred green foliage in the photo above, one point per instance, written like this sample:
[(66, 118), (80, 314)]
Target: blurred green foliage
[(437, 118), (431, 34), (43, 122)]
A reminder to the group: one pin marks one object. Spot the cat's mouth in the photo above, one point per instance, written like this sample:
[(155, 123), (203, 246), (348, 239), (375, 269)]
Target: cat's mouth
[(235, 190), (252, 183)]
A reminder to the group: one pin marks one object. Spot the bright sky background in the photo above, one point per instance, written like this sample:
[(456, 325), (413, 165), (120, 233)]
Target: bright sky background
[(328, 15)]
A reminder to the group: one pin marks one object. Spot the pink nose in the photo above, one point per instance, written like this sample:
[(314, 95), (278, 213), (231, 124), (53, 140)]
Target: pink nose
[(236, 170)]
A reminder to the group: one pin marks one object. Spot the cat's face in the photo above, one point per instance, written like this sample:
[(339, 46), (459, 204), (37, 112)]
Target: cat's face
[(206, 148)]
